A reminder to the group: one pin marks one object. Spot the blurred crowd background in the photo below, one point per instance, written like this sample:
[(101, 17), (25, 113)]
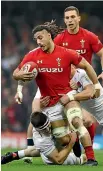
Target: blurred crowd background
[(17, 21)]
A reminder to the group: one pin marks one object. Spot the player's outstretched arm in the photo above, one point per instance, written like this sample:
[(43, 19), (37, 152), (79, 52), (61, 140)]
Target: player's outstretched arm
[(87, 93)]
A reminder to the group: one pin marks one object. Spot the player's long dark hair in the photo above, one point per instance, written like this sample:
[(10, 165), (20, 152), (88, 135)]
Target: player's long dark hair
[(51, 27)]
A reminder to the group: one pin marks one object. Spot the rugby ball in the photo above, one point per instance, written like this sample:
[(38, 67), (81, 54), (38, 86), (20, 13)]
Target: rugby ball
[(30, 67)]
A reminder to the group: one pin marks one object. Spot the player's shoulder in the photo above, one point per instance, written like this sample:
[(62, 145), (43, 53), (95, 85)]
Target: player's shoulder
[(60, 35), (62, 32), (71, 52), (87, 32), (35, 51), (60, 48), (66, 50)]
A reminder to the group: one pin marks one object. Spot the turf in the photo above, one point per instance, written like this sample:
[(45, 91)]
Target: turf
[(38, 165)]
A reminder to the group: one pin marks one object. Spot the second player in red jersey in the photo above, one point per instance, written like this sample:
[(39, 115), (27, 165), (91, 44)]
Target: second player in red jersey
[(74, 37), (84, 42)]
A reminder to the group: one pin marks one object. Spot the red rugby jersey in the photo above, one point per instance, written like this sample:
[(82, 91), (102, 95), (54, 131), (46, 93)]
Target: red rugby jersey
[(54, 70), (84, 42)]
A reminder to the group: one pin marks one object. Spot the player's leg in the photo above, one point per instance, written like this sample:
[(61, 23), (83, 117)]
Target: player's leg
[(98, 108), (60, 131), (11, 156), (95, 107), (90, 123), (74, 115), (58, 122), (60, 127)]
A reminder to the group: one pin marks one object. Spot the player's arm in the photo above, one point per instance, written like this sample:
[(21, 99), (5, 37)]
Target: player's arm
[(83, 64), (100, 54), (58, 157), (97, 48), (18, 74), (80, 62), (87, 93), (19, 94), (87, 90), (22, 75)]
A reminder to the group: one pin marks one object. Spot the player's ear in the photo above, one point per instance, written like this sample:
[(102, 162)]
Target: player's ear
[(79, 17)]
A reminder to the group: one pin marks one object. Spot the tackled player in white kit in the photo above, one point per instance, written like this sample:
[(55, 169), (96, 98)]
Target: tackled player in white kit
[(44, 145), (92, 105)]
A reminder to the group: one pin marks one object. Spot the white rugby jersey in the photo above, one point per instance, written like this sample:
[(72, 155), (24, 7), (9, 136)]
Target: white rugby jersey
[(82, 79), (44, 143), (94, 106)]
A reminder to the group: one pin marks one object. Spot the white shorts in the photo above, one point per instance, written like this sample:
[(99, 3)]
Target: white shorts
[(95, 107), (56, 112)]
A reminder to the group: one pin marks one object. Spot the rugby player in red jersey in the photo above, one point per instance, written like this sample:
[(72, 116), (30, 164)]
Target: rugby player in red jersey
[(54, 62), (83, 41), (75, 37)]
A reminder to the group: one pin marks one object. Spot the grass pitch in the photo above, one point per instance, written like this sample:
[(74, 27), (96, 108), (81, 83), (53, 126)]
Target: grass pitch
[(38, 165)]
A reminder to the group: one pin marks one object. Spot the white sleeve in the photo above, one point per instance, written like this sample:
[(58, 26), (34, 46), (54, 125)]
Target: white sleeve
[(85, 80), (44, 144), (46, 147), (38, 94)]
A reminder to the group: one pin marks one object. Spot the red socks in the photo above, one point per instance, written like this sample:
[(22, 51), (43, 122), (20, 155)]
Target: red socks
[(89, 152), (92, 130)]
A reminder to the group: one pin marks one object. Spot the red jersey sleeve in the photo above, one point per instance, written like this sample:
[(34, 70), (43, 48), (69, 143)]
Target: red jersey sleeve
[(27, 58), (95, 42), (58, 40), (73, 56)]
